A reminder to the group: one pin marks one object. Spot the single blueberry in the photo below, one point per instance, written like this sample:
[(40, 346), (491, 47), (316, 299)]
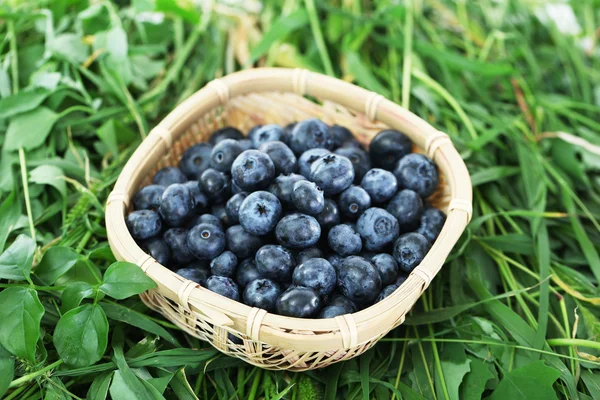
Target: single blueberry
[(386, 292), (252, 132), (317, 274), (380, 184), (330, 216), (266, 133), (299, 302), (176, 239), (220, 211), (339, 300), (260, 212), (417, 172), (158, 249), (359, 159), (286, 136), (148, 198), (310, 134), (307, 159), (332, 173), (143, 224), (283, 186), (247, 272), (387, 267), (409, 250), (233, 206), (311, 252), (168, 175), (216, 185), (431, 224), (283, 157), (176, 205), (206, 219), (224, 264), (253, 170), (200, 199), (275, 262), (195, 160), (224, 153), (224, 286), (353, 202), (206, 241), (377, 228), (308, 197), (332, 312), (298, 231), (340, 135), (228, 132), (344, 240), (242, 243), (359, 280), (387, 147), (262, 293), (407, 207), (197, 275)]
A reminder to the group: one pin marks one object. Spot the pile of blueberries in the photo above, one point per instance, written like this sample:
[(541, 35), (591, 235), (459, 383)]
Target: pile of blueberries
[(299, 220)]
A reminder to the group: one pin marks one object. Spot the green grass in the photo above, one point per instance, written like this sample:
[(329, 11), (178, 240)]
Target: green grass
[(513, 313)]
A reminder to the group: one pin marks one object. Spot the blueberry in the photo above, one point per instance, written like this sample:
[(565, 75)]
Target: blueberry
[(286, 136), (353, 202), (333, 173), (206, 241), (407, 207), (224, 286), (144, 224), (335, 260), (195, 160), (401, 279), (158, 249), (317, 274), (387, 147), (359, 159), (307, 159), (233, 207), (380, 184), (431, 224), (253, 170), (207, 219), (386, 266), (310, 134), (252, 132), (332, 312), (311, 252), (242, 243), (330, 216), (282, 156), (308, 197), (266, 133), (417, 172), (386, 292), (377, 228), (298, 231), (224, 264), (283, 186), (176, 239), (260, 212), (176, 205), (262, 293), (359, 280), (220, 211), (148, 198), (344, 240), (223, 154), (216, 185), (409, 250), (247, 272), (197, 275), (228, 132), (275, 262), (245, 144), (299, 302), (340, 135), (339, 300), (200, 199)]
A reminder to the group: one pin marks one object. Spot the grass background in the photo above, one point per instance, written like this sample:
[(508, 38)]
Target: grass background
[(514, 312)]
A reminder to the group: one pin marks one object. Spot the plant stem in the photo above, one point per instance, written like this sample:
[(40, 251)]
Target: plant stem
[(33, 375)]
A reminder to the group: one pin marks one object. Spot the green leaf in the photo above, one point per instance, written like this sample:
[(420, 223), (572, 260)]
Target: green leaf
[(7, 370), (81, 335), (113, 132), (99, 388), (21, 313), (181, 8), (56, 390), (16, 261), (50, 175), (56, 262), (530, 382), (10, 210), (455, 365), (474, 382), (492, 174), (510, 243), (123, 280), (363, 74), (74, 293), (119, 389), (70, 47), (592, 382), (30, 130), (22, 102), (181, 387)]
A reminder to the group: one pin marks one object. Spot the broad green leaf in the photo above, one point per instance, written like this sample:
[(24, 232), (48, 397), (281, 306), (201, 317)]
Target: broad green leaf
[(181, 387), (74, 293), (112, 133), (56, 262), (70, 47), (30, 130), (123, 280), (181, 8), (7, 369), (81, 272), (474, 382), (119, 389), (10, 211), (531, 382), (99, 388), (16, 261), (591, 380), (21, 102), (50, 175), (20, 313), (81, 335), (455, 365)]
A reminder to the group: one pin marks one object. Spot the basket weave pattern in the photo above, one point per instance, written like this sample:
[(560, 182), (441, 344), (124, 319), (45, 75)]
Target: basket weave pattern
[(263, 96)]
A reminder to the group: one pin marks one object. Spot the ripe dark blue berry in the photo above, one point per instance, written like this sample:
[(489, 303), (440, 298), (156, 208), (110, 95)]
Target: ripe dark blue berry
[(298, 231), (359, 159), (143, 224), (260, 212), (283, 186), (332, 173), (266, 133), (317, 274), (158, 249), (247, 272), (380, 184), (330, 216), (176, 205), (308, 197), (148, 198), (216, 185), (386, 292), (206, 241), (224, 286), (387, 147), (299, 302), (332, 312), (340, 135), (195, 160), (253, 170), (359, 280), (307, 159), (286, 137), (377, 228), (386, 266), (262, 293), (233, 206), (305, 255), (228, 132), (200, 199), (353, 202), (242, 243), (275, 262), (431, 224), (224, 153), (310, 134), (168, 176), (176, 239), (282, 156), (198, 275), (224, 265), (409, 250), (339, 300), (417, 172), (407, 207), (344, 240)]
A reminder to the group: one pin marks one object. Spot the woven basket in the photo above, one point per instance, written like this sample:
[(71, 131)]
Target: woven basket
[(274, 95)]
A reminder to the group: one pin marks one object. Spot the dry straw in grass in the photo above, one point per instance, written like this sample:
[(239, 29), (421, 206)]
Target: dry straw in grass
[(275, 95)]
